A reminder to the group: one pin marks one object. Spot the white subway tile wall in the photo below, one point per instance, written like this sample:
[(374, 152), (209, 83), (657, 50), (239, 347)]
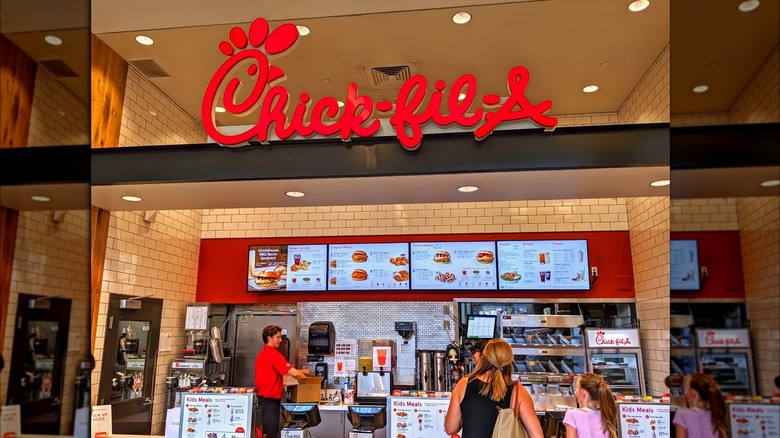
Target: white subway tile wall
[(649, 233), (759, 101), (159, 258), (759, 235), (649, 102), (704, 214), (169, 125), (51, 259), (57, 116)]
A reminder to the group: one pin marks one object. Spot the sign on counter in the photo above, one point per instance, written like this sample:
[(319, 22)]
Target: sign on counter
[(212, 415), (10, 420), (172, 422), (644, 420), (417, 417), (754, 419), (101, 421)]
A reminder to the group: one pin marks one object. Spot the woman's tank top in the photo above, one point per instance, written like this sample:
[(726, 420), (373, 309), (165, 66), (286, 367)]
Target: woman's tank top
[(479, 412)]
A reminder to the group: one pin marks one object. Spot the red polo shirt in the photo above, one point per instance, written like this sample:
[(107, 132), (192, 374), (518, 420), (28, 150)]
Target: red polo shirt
[(270, 366)]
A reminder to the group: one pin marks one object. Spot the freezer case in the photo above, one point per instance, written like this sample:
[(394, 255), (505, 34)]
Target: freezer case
[(725, 355), (247, 341), (615, 355)]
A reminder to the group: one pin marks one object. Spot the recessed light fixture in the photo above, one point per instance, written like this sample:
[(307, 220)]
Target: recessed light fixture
[(61, 112), (660, 183), (638, 5), (771, 183), (295, 194), (700, 89), (145, 40), (461, 96), (40, 198), (591, 88), (303, 30), (53, 40), (340, 103), (219, 109), (468, 189), (461, 18), (131, 198), (748, 5), (604, 64)]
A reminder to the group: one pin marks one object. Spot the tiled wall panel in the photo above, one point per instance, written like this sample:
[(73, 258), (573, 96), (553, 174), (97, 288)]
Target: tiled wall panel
[(649, 102), (57, 117), (704, 214)]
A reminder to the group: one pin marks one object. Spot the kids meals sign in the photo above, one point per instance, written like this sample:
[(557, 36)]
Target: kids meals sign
[(357, 117)]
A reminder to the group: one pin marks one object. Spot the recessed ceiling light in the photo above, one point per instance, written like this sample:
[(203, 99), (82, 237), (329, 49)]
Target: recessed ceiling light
[(700, 89), (303, 30), (40, 198), (326, 81), (219, 109), (131, 198), (461, 96), (53, 40), (660, 183), (771, 183), (461, 18), (145, 40), (604, 64), (295, 194), (468, 189), (340, 103), (591, 88), (61, 112), (638, 5), (748, 5)]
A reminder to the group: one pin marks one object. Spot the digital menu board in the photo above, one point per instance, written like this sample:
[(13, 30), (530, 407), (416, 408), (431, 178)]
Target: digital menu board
[(683, 265), (369, 266), (307, 267), (267, 268), (453, 265), (543, 265)]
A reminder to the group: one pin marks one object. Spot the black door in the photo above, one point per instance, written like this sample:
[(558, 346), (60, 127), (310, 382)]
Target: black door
[(129, 362), (37, 362)]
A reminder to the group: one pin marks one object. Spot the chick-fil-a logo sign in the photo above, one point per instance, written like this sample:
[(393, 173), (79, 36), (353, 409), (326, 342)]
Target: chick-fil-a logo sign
[(325, 117), (601, 339), (712, 339)]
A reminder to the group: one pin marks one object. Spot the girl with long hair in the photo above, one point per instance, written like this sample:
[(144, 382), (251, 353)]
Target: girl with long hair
[(597, 415), (706, 414), (477, 396)]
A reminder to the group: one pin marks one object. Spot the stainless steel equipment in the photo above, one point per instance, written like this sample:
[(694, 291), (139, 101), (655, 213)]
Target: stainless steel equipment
[(246, 341), (725, 355), (615, 354), (404, 372), (440, 371), (373, 387), (425, 368)]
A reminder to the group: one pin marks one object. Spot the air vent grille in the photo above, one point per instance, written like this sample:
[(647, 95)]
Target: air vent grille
[(382, 77), (58, 68), (149, 68)]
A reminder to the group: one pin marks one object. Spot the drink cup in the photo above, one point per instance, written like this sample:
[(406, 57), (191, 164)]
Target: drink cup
[(381, 357), (541, 258), (297, 259), (548, 274), (340, 366), (542, 276)]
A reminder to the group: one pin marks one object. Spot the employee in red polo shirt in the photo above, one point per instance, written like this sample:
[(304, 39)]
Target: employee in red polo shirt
[(270, 367)]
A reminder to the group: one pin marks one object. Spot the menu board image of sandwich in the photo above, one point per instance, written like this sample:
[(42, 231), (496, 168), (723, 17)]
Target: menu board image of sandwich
[(307, 267), (267, 269), (543, 265), (368, 266), (453, 265)]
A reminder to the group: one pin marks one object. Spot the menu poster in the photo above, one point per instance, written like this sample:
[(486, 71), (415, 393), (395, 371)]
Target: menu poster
[(683, 265), (368, 266), (417, 417), (307, 267), (101, 424), (453, 265), (754, 419), (543, 265), (267, 268), (11, 419), (644, 420), (212, 415)]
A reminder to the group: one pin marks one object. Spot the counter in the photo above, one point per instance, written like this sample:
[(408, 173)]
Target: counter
[(335, 423)]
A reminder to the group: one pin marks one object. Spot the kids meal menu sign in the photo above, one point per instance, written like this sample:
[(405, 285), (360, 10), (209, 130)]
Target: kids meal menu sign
[(252, 50)]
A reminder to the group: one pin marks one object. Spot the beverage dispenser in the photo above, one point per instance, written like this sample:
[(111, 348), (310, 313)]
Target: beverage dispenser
[(404, 373)]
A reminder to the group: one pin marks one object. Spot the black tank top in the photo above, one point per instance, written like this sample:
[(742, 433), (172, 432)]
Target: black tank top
[(479, 412)]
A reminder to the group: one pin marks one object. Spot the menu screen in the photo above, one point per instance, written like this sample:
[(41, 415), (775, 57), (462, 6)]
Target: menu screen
[(453, 265), (644, 420), (267, 268), (753, 419), (307, 267), (368, 266), (543, 265), (683, 265)]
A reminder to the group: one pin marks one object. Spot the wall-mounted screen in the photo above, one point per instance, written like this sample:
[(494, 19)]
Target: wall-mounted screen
[(684, 265), (307, 267), (543, 265), (480, 326), (287, 268), (368, 266), (267, 268), (453, 265)]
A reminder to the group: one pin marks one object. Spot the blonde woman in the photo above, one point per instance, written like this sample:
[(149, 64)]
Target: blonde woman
[(477, 395), (597, 415)]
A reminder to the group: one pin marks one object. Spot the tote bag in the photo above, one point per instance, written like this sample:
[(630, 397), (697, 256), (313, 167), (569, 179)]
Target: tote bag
[(507, 424)]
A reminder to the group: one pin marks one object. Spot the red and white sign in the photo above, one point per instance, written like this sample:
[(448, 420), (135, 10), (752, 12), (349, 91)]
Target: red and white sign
[(613, 338), (412, 109), (723, 338)]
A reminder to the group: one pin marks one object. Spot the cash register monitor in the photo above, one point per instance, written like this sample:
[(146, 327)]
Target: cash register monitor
[(367, 417), (480, 326), (300, 415)]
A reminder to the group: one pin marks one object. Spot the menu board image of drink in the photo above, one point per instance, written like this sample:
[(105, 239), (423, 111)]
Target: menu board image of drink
[(543, 265), (267, 268), (683, 265), (754, 419), (417, 417), (644, 420), (208, 415), (368, 266), (453, 265), (307, 267)]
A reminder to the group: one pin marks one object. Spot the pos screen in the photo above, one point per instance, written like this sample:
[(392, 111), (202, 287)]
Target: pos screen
[(480, 326)]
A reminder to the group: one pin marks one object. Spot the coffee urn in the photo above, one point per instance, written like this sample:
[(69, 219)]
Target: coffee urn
[(425, 368)]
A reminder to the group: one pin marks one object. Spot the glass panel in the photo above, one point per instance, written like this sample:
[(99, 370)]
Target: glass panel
[(618, 370), (128, 380), (39, 362), (730, 370)]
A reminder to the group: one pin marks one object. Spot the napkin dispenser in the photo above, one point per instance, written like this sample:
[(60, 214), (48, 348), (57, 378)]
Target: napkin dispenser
[(322, 337)]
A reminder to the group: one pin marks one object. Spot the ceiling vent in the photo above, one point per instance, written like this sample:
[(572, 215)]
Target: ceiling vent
[(58, 68), (149, 68), (383, 77)]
